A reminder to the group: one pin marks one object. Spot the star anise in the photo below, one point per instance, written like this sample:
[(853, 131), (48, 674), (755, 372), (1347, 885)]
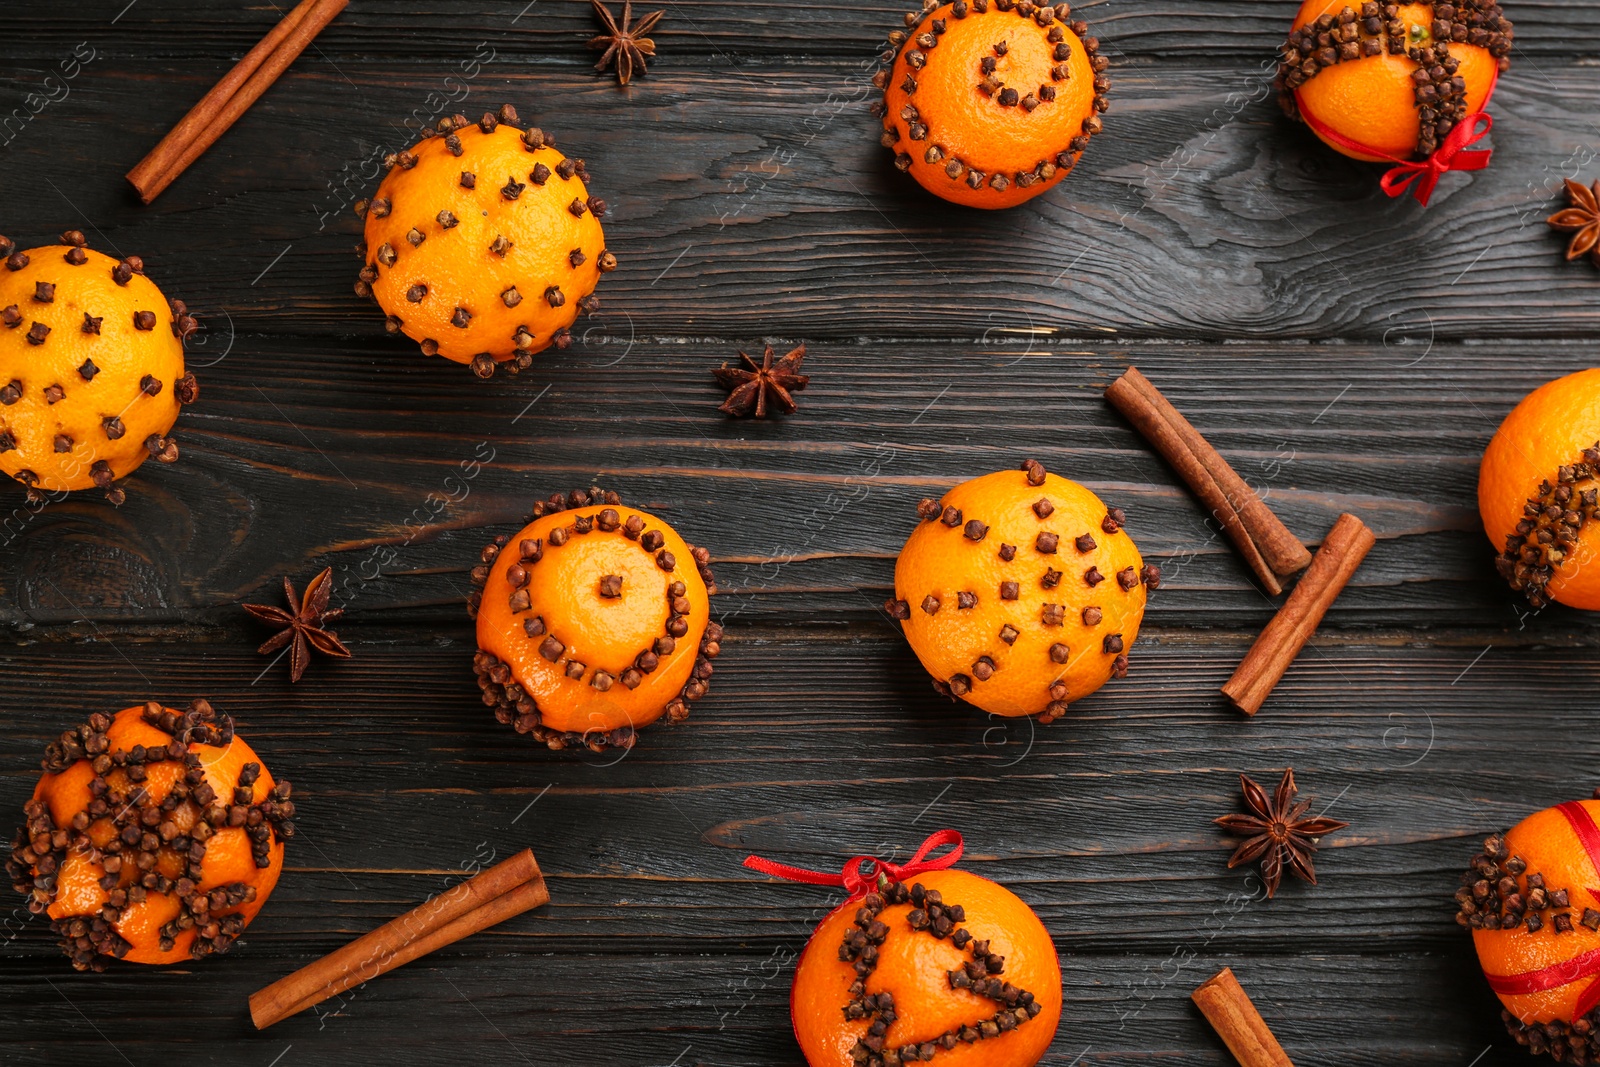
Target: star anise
[(755, 384), (1582, 219), (626, 44), (305, 624), (1278, 833)]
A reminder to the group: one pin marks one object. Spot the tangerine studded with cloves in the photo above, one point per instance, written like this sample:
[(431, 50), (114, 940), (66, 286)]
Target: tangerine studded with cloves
[(1539, 493), (1392, 78), (153, 836), (1020, 592), (990, 102), (593, 622), (91, 367), (483, 243), (1529, 899), (951, 969)]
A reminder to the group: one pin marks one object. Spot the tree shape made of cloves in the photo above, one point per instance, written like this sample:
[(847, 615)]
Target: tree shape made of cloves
[(930, 916)]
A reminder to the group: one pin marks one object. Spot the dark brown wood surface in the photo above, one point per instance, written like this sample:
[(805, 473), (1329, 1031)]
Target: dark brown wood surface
[(1344, 351)]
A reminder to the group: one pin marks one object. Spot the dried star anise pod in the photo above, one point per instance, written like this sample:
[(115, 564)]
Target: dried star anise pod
[(304, 624), (1278, 832), (755, 384), (626, 44), (1581, 219)]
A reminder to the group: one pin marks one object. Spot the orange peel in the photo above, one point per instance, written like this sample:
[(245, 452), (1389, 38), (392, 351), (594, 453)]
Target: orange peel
[(153, 836), (91, 368), (483, 244), (1020, 592), (593, 621), (989, 103)]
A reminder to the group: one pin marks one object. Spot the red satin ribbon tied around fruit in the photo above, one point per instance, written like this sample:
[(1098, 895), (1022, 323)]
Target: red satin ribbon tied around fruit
[(1584, 965), (1452, 155), (859, 884), (1421, 177)]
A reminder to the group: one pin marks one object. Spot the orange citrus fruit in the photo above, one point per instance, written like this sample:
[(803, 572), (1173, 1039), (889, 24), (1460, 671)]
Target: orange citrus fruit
[(593, 621), (953, 968), (990, 102), (1020, 592), (153, 836), (1532, 901), (1392, 78), (483, 243), (91, 367), (1537, 489)]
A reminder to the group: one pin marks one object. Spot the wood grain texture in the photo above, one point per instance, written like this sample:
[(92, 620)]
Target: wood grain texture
[(725, 34), (410, 465), (811, 747), (1202, 214), (1344, 352)]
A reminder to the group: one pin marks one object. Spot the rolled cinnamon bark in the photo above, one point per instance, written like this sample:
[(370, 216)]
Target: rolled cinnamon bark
[(199, 117), (1341, 553), (504, 890), (242, 86), (1228, 1009), (1266, 544)]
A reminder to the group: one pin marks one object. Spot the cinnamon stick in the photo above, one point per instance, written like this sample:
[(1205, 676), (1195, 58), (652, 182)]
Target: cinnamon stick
[(1272, 552), (1341, 553), (1226, 1006), (525, 897), (504, 890), (232, 96)]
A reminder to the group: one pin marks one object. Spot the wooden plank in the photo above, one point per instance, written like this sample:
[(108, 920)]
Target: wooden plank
[(810, 749), (722, 34), (1344, 351), (395, 469), (1412, 1011), (1201, 215)]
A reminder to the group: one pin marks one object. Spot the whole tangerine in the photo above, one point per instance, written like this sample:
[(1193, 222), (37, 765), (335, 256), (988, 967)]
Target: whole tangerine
[(953, 968), (1021, 592), (153, 836), (1391, 79), (91, 357), (1537, 489), (483, 244), (593, 620), (1532, 901), (990, 102)]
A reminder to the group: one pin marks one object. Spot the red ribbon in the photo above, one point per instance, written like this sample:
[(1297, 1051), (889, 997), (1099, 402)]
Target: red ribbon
[(1451, 155), (1584, 965), (1421, 177), (859, 884)]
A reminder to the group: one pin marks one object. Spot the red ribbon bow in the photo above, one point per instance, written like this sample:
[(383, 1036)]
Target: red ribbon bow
[(859, 884), (1421, 177), (1451, 155)]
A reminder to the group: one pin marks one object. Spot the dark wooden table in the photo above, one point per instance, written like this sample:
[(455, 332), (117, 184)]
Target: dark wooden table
[(1345, 351)]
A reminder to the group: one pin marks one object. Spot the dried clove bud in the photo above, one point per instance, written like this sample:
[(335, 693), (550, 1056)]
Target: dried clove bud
[(164, 449)]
